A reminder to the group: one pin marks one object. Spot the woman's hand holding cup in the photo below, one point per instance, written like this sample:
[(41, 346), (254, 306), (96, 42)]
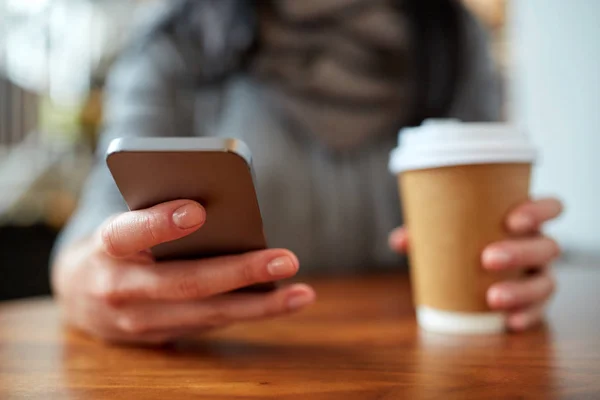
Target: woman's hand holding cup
[(527, 249)]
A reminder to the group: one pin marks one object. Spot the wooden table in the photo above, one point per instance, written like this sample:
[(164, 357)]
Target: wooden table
[(359, 342)]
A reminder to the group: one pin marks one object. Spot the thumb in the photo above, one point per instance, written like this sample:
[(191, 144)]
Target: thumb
[(135, 231)]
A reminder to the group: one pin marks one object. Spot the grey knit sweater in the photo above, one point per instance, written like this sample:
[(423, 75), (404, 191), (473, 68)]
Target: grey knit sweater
[(323, 184)]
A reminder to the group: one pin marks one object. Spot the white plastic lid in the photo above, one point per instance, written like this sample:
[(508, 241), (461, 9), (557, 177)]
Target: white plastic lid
[(443, 143)]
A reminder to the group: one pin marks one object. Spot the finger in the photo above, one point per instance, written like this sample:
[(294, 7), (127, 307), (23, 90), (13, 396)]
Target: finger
[(398, 240), (526, 318), (197, 279), (529, 217), (520, 253), (213, 313), (535, 289), (136, 231)]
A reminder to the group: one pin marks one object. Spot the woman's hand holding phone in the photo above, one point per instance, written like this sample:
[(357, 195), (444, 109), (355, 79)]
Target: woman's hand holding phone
[(110, 286)]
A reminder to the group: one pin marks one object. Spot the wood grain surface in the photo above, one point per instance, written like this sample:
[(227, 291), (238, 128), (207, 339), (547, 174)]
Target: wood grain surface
[(359, 342)]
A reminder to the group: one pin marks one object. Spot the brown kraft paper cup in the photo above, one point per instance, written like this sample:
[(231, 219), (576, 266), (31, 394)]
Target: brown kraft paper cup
[(452, 214), (458, 182)]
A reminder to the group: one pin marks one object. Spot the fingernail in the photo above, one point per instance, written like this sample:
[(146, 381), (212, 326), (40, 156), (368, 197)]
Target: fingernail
[(522, 222), (299, 301), (496, 258), (281, 267), (189, 216), (498, 297)]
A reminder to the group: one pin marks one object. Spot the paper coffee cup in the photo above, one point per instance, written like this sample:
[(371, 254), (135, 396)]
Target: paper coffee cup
[(458, 182)]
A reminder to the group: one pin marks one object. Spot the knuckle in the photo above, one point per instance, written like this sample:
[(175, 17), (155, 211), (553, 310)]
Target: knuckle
[(273, 308), (519, 253), (190, 288), (217, 317), (555, 246), (248, 270), (108, 234), (152, 225), (106, 285)]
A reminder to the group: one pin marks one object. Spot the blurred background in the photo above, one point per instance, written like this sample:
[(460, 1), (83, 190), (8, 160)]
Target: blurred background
[(55, 54)]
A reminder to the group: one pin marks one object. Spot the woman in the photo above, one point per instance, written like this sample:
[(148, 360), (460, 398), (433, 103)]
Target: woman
[(318, 89)]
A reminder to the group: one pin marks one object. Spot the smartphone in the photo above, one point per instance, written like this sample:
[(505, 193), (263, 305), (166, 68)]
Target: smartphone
[(217, 173)]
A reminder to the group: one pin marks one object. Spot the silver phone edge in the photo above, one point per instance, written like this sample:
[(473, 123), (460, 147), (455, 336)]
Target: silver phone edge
[(183, 144), (180, 144)]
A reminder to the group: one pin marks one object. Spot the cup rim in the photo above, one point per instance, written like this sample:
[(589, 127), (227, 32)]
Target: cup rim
[(447, 143)]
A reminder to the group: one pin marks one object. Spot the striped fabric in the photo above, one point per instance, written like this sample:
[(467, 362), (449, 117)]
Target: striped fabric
[(342, 68)]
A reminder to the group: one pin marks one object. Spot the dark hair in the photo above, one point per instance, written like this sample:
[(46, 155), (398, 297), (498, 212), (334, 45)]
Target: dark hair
[(439, 53)]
